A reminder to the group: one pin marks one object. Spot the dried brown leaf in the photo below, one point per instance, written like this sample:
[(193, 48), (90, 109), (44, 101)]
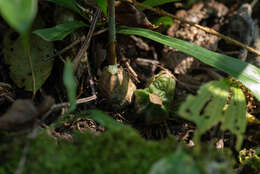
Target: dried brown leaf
[(155, 99)]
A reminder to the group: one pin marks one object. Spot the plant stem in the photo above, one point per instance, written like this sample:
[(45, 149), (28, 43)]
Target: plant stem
[(86, 43), (112, 58)]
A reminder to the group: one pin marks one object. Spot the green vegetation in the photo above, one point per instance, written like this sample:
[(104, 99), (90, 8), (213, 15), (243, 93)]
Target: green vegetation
[(155, 102), (113, 147), (118, 150)]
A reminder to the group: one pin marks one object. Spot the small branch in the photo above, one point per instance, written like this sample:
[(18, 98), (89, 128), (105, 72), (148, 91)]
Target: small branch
[(112, 59), (132, 71), (206, 29), (67, 104), (86, 43), (81, 39), (91, 80)]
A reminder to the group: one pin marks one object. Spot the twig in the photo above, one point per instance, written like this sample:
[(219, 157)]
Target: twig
[(100, 31), (206, 29), (67, 104), (86, 43), (61, 59), (91, 81), (153, 62), (131, 70), (66, 48)]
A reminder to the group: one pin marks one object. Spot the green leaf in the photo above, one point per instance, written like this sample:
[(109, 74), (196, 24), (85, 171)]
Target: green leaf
[(102, 118), (166, 21), (177, 163), (207, 112), (154, 3), (103, 5), (154, 102), (59, 32), (70, 4), (70, 84), (246, 73), (21, 71), (19, 14), (235, 115), (164, 86), (210, 110)]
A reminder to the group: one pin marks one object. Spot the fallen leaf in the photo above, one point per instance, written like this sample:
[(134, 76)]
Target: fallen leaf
[(20, 69)]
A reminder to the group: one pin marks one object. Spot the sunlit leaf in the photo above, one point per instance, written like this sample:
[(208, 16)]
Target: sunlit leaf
[(59, 32), (211, 107), (19, 14), (206, 108), (235, 115), (70, 84), (244, 72)]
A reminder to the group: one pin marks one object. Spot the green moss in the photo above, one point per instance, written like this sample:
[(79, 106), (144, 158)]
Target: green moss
[(10, 152), (119, 150)]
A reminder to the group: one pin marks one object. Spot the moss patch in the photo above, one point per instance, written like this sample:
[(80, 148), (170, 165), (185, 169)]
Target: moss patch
[(119, 150)]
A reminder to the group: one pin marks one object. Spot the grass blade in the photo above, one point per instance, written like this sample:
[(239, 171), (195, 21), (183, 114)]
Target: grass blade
[(244, 72)]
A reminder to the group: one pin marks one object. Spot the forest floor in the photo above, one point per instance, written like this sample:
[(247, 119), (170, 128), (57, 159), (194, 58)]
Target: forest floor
[(142, 59)]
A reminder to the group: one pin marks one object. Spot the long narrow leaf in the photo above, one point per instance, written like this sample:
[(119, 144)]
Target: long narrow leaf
[(59, 32), (70, 84), (246, 73)]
